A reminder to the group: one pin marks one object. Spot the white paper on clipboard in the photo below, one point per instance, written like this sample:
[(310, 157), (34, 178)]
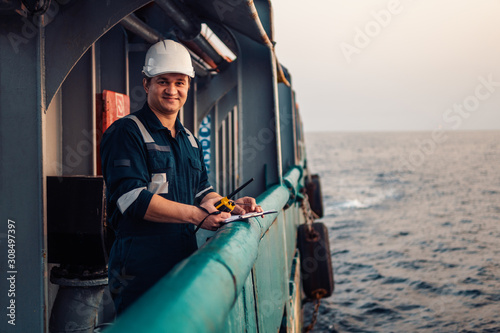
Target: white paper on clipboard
[(235, 218)]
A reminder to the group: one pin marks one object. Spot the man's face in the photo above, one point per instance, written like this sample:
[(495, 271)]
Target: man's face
[(167, 93)]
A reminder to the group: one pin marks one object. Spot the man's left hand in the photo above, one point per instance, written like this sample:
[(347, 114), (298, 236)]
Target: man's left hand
[(246, 205)]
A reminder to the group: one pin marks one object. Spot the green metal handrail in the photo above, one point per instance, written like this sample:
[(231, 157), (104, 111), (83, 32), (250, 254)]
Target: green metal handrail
[(198, 294)]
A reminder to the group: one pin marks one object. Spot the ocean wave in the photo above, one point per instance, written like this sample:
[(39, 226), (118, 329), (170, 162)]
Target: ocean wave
[(369, 198)]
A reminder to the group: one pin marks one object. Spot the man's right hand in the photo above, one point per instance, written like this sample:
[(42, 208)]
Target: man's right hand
[(213, 222)]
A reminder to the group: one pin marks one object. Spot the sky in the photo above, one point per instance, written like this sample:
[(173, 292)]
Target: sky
[(389, 65)]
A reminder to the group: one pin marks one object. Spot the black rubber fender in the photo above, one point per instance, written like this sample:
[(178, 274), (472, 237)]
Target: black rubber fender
[(315, 261), (313, 188)]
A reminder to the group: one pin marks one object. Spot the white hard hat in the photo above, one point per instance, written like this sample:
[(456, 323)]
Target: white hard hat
[(168, 56)]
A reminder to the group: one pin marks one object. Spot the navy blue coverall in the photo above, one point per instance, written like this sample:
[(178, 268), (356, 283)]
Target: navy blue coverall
[(141, 158)]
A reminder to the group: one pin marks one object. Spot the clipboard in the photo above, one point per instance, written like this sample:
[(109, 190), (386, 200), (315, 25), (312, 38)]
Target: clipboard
[(235, 218)]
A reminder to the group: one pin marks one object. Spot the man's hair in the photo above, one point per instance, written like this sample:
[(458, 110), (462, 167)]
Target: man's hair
[(148, 79)]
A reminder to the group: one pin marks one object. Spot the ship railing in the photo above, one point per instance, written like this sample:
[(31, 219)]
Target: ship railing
[(238, 281)]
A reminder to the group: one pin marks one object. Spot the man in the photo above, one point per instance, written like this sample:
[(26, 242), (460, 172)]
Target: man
[(155, 175)]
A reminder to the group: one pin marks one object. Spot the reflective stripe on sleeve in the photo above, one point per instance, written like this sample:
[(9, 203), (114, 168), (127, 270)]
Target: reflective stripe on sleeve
[(128, 198), (201, 192), (145, 134)]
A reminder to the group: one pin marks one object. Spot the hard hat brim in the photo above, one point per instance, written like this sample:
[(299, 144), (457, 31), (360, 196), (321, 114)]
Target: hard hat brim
[(189, 73)]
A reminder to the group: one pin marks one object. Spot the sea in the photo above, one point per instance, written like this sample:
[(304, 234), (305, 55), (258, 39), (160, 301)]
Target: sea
[(414, 230)]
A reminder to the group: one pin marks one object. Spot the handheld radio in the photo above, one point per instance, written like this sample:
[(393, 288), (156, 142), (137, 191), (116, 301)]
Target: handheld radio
[(226, 205)]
